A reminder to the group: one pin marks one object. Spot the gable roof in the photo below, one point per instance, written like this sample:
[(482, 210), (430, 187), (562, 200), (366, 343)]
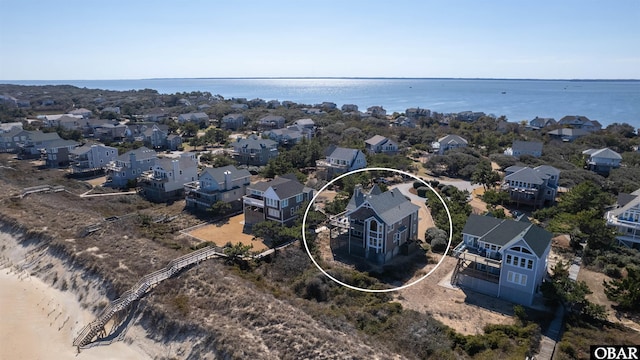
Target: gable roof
[(376, 140), (501, 231), (568, 132), (38, 135), (603, 153), (142, 153), (284, 186), (391, 206), (60, 143), (345, 154), (254, 142), (218, 173), (452, 139)]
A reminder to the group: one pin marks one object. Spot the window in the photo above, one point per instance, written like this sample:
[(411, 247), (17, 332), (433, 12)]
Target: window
[(299, 197), (508, 259), (516, 278), (293, 211), (529, 264), (274, 213), (285, 202)]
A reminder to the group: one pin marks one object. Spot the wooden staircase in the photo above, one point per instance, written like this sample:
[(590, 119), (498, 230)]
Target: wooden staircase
[(89, 332)]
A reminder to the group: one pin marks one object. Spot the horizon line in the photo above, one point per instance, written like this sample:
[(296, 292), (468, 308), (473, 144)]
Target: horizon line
[(333, 78)]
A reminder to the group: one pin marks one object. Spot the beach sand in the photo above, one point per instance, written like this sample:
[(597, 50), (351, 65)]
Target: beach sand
[(39, 322)]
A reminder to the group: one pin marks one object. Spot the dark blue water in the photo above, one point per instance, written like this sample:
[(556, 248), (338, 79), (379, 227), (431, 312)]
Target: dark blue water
[(605, 101)]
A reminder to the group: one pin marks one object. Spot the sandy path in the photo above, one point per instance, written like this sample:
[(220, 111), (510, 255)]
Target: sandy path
[(39, 322)]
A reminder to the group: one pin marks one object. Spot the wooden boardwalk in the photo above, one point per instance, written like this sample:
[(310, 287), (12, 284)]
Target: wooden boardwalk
[(91, 331)]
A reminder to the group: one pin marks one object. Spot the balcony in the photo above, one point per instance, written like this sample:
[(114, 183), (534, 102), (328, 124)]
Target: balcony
[(252, 201), (149, 176), (519, 189), (112, 166)]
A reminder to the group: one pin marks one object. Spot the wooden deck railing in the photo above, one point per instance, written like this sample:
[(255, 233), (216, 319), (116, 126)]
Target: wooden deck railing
[(89, 332)]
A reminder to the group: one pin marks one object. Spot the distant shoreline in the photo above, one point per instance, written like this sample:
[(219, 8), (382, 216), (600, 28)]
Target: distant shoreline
[(321, 78)]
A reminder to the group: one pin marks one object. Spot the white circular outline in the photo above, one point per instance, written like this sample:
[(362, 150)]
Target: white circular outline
[(306, 246)]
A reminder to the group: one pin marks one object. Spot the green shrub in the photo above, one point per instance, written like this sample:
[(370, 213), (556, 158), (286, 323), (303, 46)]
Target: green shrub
[(612, 271), (422, 191)]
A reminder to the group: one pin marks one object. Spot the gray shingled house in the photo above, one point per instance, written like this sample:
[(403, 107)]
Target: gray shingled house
[(130, 165), (277, 200), (254, 150), (381, 223), (339, 161), (534, 187), (225, 183), (504, 258), (602, 161)]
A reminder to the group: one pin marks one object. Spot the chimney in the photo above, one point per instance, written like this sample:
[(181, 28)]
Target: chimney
[(176, 168), (227, 180)]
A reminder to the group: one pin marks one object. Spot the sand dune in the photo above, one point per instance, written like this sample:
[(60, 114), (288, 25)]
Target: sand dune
[(39, 322)]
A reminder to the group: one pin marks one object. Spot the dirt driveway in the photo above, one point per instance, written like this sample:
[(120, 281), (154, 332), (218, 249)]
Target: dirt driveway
[(226, 231), (466, 312)]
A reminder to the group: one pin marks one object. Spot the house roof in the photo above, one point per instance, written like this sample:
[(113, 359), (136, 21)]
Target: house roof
[(573, 119), (392, 206), (568, 132), (60, 143), (304, 122), (603, 153), (38, 135), (376, 140), (284, 186), (529, 146), (632, 200), (254, 142), (218, 173), (81, 149), (452, 139), (196, 115), (524, 174), (270, 118), (231, 117), (346, 154), (501, 231), (141, 153)]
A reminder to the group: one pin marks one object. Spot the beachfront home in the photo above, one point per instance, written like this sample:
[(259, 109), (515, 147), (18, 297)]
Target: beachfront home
[(254, 150), (340, 160), (539, 123), (534, 187), (277, 200), (127, 167), (36, 142), (504, 258), (349, 108), (381, 223), (625, 218), (11, 140), (378, 144), (227, 184), (519, 148), (580, 122), (57, 152), (376, 111), (90, 159), (306, 125), (166, 179), (602, 161), (447, 143), (415, 113)]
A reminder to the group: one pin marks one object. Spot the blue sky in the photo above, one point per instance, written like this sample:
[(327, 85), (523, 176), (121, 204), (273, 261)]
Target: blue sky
[(79, 39)]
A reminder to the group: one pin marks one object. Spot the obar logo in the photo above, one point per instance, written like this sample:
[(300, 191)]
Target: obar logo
[(611, 352)]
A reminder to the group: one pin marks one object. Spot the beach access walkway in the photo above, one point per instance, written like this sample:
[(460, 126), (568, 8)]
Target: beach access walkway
[(144, 285)]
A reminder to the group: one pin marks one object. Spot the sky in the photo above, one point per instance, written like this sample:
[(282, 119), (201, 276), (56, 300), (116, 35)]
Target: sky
[(115, 39)]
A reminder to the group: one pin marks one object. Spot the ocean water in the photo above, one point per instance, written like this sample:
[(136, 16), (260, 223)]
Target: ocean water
[(605, 101)]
